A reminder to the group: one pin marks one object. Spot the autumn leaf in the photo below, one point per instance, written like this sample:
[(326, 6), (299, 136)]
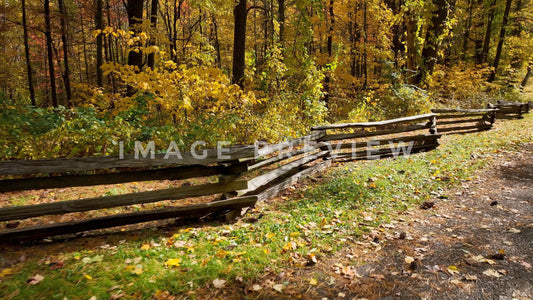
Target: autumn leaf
[(492, 273), (453, 269), (219, 283), (35, 279), (89, 277), (313, 281), (173, 262), (145, 247), (5, 272), (409, 259), (278, 287)]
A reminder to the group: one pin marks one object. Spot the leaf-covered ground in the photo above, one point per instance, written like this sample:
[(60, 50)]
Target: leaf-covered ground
[(356, 231)]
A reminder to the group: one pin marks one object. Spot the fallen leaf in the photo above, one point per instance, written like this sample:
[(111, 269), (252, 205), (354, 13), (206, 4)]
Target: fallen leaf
[(35, 279), (525, 264), (87, 276), (492, 273), (409, 259), (173, 262), (117, 296), (313, 281), (219, 283), (278, 287), (470, 277), (256, 287), (6, 271), (145, 247), (453, 269), (513, 230)]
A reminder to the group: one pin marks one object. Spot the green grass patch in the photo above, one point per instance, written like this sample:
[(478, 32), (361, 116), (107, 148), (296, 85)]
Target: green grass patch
[(317, 220)]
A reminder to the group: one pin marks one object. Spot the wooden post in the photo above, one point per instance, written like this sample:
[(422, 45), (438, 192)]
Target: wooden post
[(433, 125)]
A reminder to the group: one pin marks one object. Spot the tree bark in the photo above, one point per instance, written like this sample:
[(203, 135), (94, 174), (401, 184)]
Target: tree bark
[(501, 40), (239, 43), (135, 17), (281, 20), (48, 35), (488, 33), (27, 54), (431, 45), (99, 45), (526, 78), (153, 23), (64, 40), (327, 78)]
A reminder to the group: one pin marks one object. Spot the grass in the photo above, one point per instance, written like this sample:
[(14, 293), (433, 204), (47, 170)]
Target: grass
[(316, 220)]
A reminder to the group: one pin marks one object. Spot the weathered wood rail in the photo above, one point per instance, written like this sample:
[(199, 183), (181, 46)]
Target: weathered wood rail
[(453, 121), (395, 137), (509, 110), (246, 174)]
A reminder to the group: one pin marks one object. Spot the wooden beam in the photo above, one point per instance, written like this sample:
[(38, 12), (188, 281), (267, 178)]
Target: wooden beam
[(63, 207), (189, 211), (176, 173), (279, 187), (269, 149), (461, 121), (64, 165), (262, 180), (344, 136), (402, 139), (460, 110), (374, 124), (457, 128), (282, 156)]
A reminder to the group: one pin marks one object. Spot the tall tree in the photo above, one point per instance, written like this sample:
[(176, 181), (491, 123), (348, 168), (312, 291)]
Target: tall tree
[(153, 23), (27, 54), (327, 78), (501, 40), (239, 42), (488, 33), (64, 40), (432, 41), (135, 17), (50, 54), (98, 21)]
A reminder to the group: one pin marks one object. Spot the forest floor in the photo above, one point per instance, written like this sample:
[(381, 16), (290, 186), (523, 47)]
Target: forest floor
[(356, 231)]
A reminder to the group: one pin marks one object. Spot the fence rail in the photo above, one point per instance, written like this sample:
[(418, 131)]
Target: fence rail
[(246, 174)]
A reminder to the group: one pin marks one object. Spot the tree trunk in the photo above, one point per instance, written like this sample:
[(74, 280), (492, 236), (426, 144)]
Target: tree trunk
[(64, 40), (48, 35), (99, 59), (466, 34), (239, 42), (526, 78), (488, 33), (365, 38), (27, 54), (153, 23), (501, 40), (281, 20), (431, 45), (135, 17), (327, 78)]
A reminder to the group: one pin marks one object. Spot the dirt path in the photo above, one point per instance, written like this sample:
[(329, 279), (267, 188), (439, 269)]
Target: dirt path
[(476, 242)]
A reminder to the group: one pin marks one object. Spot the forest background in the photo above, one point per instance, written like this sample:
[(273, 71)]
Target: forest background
[(77, 76)]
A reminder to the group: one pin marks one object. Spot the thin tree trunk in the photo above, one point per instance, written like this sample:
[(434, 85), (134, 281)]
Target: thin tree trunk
[(488, 33), (153, 23), (365, 37), (48, 35), (466, 34), (501, 40), (217, 42), (327, 78), (64, 40), (84, 41), (99, 59), (281, 20), (27, 54), (526, 78), (239, 42)]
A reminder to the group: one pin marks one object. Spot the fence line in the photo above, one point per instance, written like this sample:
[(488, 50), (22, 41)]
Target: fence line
[(246, 174)]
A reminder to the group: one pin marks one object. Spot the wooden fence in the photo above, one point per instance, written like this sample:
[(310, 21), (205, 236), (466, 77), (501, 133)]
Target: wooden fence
[(245, 174), (464, 120)]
